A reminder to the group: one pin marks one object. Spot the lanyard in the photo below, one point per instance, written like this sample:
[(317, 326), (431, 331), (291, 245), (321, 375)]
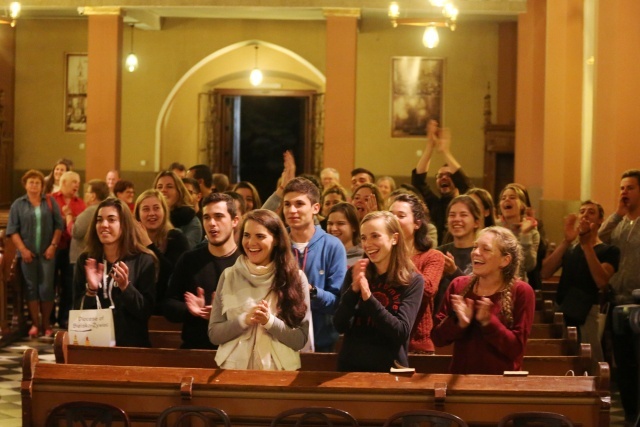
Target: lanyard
[(107, 284)]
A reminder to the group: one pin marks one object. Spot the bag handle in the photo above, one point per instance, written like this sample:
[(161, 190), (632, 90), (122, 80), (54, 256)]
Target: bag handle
[(98, 305)]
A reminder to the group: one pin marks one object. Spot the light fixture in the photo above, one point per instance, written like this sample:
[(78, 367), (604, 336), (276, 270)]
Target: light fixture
[(256, 75), (12, 16), (430, 38), (132, 60)]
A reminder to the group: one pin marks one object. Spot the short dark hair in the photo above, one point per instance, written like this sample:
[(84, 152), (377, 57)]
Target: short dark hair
[(99, 188), (221, 197), (193, 182), (303, 186), (204, 173), (177, 166), (221, 182), (313, 179), (597, 205), (121, 186), (632, 173), (33, 173), (356, 171)]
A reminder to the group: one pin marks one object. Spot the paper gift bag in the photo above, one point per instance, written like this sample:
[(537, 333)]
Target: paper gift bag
[(92, 327)]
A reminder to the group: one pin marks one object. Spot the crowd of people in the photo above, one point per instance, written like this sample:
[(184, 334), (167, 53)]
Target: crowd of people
[(393, 270)]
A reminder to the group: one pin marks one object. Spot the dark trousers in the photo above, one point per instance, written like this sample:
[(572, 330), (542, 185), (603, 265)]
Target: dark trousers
[(64, 273), (625, 347)]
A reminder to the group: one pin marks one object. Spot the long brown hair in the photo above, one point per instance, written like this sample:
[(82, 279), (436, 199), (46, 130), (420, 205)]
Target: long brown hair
[(287, 283), (128, 244), (419, 210), (507, 244), (401, 267)]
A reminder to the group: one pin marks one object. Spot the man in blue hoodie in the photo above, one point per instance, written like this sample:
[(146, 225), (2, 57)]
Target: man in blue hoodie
[(321, 256)]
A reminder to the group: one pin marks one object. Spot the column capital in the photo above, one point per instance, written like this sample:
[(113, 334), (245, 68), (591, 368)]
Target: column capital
[(100, 10)]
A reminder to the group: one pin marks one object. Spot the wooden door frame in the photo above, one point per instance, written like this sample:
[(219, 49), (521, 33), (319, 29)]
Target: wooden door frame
[(225, 157)]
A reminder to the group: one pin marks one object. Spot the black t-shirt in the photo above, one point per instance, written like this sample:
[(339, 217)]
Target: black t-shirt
[(575, 270), (194, 269)]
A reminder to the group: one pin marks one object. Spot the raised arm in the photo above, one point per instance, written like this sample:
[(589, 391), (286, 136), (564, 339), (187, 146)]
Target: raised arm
[(444, 146), (553, 262), (432, 135)]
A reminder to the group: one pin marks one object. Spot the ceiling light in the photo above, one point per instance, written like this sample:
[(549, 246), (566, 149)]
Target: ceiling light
[(132, 60), (430, 38), (256, 75)]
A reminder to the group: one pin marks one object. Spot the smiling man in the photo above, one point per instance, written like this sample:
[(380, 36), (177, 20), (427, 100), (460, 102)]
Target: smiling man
[(195, 277), (321, 256), (451, 181)]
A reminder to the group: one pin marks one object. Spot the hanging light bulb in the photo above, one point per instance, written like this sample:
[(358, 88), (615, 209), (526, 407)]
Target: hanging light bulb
[(450, 11), (256, 75), (430, 39), (132, 60), (14, 10), (394, 10)]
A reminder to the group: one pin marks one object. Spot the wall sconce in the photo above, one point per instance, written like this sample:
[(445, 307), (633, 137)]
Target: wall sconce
[(430, 38), (12, 16), (256, 75), (132, 60)]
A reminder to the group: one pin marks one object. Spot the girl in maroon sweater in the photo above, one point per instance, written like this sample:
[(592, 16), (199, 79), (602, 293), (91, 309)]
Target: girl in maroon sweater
[(488, 315), (411, 214)]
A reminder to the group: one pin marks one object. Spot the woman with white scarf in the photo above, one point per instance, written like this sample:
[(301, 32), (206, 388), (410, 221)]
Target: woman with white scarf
[(260, 316)]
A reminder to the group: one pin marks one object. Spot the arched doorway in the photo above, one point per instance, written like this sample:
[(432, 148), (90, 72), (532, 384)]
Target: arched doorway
[(201, 92)]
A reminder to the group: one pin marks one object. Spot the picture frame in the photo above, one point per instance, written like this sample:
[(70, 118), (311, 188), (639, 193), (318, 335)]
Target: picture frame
[(417, 93), (75, 95)]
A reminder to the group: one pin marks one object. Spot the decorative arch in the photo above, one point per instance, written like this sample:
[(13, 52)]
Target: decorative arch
[(290, 67)]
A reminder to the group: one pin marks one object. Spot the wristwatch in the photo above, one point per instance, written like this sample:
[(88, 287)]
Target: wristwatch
[(313, 293)]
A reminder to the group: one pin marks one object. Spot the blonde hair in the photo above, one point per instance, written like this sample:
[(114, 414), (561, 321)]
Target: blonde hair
[(160, 239), (401, 267), (507, 244)]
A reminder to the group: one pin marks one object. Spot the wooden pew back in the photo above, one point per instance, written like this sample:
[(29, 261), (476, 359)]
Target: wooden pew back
[(326, 362), (255, 397)]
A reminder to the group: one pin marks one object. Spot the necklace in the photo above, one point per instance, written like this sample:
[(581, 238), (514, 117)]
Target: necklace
[(230, 252)]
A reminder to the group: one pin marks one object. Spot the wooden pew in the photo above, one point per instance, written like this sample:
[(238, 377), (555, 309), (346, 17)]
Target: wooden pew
[(556, 329), (164, 334), (131, 356), (255, 397), (568, 346), (545, 314), (13, 323)]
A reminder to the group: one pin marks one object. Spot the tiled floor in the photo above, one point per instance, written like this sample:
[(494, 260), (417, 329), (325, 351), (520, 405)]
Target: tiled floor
[(11, 374)]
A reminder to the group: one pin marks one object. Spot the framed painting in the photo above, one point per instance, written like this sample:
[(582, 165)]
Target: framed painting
[(416, 94), (75, 94)]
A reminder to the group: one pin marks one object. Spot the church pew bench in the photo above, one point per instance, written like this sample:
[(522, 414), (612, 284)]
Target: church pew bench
[(255, 397), (131, 356), (568, 346)]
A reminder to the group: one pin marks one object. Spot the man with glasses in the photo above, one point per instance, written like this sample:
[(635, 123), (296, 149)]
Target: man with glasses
[(451, 181)]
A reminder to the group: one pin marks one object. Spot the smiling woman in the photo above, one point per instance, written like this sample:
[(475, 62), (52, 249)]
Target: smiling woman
[(158, 235), (379, 300), (261, 310), (119, 271), (487, 315)]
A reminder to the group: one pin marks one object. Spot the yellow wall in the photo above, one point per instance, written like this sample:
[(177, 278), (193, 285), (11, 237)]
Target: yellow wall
[(40, 138), (471, 60), (166, 55)]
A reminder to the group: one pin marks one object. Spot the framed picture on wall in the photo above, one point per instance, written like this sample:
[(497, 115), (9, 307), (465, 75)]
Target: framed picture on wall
[(416, 94), (75, 94)]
